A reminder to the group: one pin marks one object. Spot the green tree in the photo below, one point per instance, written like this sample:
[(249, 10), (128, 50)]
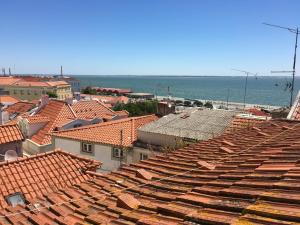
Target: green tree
[(51, 95), (88, 90), (208, 105), (198, 103)]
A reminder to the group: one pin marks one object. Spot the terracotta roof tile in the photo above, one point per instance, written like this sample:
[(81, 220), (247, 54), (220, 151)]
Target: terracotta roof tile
[(8, 99), (20, 107), (257, 183), (122, 132), (10, 133), (43, 174)]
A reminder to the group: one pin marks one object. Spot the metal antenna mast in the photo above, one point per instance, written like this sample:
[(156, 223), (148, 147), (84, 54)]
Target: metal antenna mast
[(295, 31), (246, 82)]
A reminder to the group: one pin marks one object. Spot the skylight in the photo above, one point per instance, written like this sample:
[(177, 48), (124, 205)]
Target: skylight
[(15, 199)]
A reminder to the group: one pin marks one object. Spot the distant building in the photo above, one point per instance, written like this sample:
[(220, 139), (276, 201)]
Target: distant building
[(31, 90), (112, 100), (11, 138), (109, 142), (75, 83), (6, 100), (112, 91), (144, 96)]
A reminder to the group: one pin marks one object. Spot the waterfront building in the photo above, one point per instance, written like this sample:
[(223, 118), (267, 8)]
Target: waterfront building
[(112, 143), (32, 90)]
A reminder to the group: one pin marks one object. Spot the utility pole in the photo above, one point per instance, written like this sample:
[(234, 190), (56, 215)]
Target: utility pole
[(246, 82), (295, 31)]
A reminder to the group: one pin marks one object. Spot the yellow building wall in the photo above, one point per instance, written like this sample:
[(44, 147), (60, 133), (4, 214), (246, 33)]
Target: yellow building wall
[(35, 93)]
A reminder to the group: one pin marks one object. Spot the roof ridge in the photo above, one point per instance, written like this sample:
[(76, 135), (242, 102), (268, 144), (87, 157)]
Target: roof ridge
[(102, 124)]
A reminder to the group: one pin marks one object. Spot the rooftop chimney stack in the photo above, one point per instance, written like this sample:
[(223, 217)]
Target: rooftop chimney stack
[(9, 71)]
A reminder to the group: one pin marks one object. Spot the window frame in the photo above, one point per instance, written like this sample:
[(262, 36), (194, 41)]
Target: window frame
[(119, 155), (143, 156), (87, 148)]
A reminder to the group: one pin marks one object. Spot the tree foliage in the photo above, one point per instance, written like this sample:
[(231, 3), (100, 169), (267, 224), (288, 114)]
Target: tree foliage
[(51, 95), (208, 105), (138, 108), (88, 90)]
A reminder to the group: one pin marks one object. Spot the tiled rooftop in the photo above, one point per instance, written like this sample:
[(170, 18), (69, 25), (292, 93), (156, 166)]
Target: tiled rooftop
[(121, 132), (8, 99), (43, 174), (59, 113), (8, 80), (10, 133), (91, 109), (56, 111), (256, 182), (25, 83), (20, 107)]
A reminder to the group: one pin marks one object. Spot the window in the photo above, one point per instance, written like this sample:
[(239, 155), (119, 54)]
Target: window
[(22, 92), (87, 148), (143, 156), (15, 199), (28, 92), (118, 153)]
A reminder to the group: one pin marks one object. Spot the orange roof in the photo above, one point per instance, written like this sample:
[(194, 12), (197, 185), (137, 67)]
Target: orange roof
[(37, 119), (56, 111), (20, 107), (10, 133), (122, 132), (240, 122), (92, 109), (25, 83), (256, 182), (42, 174), (108, 99), (60, 113), (8, 99), (57, 83), (258, 112), (122, 113), (8, 80)]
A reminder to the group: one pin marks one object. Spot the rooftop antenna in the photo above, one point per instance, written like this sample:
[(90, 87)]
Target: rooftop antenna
[(246, 82), (295, 31)]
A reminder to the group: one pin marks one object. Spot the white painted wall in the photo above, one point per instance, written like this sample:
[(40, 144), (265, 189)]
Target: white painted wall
[(137, 151), (102, 153), (158, 139)]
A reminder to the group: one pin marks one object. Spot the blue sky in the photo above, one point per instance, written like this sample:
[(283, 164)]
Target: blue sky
[(153, 37)]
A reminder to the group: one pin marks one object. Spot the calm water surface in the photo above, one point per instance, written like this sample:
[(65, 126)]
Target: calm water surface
[(261, 90)]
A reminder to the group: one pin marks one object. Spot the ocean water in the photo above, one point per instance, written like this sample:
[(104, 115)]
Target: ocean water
[(266, 90)]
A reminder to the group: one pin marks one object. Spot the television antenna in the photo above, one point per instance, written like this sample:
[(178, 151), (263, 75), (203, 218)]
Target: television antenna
[(246, 82), (295, 31)]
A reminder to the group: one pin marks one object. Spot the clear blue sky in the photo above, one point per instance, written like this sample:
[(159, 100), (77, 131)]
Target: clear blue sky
[(167, 37)]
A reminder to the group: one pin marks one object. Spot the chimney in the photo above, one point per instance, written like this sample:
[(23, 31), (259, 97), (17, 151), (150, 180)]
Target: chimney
[(69, 101), (77, 96), (61, 71), (44, 101), (9, 72), (4, 116)]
